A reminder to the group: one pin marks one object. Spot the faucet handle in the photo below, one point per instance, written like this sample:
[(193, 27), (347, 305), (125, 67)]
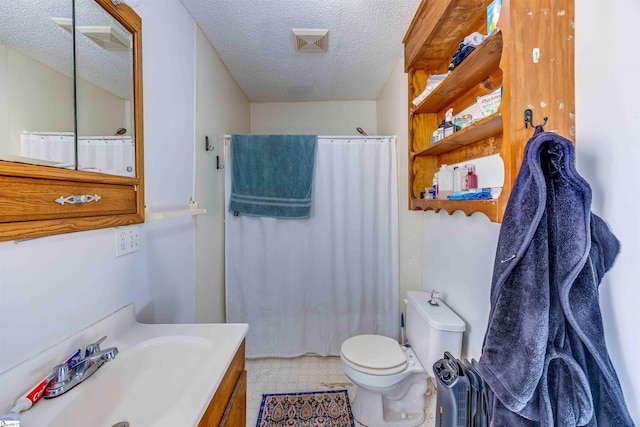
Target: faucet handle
[(94, 348), (60, 375)]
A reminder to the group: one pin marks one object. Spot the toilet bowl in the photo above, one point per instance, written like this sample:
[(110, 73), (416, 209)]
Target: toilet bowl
[(392, 379), (391, 388)]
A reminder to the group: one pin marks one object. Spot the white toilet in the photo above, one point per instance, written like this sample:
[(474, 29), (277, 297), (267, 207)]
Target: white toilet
[(391, 379)]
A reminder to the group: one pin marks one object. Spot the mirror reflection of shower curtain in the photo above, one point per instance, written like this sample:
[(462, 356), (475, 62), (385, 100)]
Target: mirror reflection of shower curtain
[(52, 146), (306, 285), (110, 154), (107, 154)]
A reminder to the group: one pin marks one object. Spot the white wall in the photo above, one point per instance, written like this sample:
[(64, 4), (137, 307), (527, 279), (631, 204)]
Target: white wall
[(39, 98), (459, 251), (169, 107), (100, 112), (458, 261), (608, 156), (392, 120), (221, 108), (315, 118), (54, 286)]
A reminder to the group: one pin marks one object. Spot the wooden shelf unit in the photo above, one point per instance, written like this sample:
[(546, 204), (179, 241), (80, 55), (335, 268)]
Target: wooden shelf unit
[(473, 70), (482, 130), (505, 59)]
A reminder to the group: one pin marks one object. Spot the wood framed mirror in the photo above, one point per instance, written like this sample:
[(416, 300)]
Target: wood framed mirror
[(44, 199)]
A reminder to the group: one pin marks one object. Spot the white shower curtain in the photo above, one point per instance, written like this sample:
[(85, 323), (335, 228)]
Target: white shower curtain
[(306, 285)]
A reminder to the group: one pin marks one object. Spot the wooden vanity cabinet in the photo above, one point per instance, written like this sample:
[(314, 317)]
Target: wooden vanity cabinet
[(236, 413), (530, 55), (228, 407)]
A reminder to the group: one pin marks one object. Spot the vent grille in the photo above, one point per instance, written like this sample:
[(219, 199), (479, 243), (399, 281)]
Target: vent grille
[(104, 36), (310, 40)]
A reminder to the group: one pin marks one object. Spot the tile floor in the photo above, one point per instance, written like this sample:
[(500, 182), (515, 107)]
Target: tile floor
[(307, 373)]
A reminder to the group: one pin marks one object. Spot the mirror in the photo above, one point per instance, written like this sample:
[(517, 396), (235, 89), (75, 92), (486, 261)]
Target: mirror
[(104, 92), (37, 79), (36, 82)]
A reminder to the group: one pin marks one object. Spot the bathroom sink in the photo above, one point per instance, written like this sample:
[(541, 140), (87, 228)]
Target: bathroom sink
[(133, 387), (163, 375)]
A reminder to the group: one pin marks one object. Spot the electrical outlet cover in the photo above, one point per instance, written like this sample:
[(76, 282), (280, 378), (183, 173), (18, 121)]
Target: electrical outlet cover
[(126, 240)]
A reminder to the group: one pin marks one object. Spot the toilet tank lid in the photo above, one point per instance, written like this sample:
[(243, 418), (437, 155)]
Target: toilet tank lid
[(439, 317)]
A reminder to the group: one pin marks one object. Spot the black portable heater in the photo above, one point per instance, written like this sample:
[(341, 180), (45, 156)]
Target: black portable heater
[(459, 400)]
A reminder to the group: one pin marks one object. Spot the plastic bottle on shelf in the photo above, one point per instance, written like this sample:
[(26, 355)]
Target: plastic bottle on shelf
[(440, 131), (434, 192), (463, 178), (472, 178), (447, 123), (456, 180), (460, 180), (445, 182), (459, 123)]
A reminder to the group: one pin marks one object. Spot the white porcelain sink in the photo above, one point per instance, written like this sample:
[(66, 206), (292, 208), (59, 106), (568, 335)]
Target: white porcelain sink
[(136, 384), (163, 375)]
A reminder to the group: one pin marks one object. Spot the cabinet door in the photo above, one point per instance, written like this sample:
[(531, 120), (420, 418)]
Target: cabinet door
[(236, 413), (228, 405), (104, 92)]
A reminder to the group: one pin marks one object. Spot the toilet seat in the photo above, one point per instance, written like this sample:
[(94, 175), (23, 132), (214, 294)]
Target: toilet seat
[(374, 354)]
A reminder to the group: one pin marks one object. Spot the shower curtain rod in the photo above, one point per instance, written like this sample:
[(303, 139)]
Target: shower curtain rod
[(228, 137), (26, 132), (108, 137)]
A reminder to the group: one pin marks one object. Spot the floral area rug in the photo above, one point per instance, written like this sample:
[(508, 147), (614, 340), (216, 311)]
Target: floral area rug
[(307, 409)]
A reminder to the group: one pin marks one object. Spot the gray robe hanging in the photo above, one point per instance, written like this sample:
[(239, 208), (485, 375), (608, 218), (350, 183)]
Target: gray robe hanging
[(544, 357)]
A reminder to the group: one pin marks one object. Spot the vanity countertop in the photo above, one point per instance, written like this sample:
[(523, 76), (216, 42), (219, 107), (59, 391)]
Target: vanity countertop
[(164, 374)]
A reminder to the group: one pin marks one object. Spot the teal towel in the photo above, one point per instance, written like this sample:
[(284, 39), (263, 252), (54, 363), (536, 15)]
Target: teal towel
[(480, 195), (272, 175)]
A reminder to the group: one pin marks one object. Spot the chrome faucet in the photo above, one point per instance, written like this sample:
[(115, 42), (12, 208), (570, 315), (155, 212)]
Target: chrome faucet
[(64, 378)]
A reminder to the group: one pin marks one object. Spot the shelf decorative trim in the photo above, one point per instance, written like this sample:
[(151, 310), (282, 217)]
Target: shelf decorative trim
[(487, 207)]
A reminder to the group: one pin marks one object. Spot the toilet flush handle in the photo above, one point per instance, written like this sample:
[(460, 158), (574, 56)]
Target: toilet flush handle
[(434, 297)]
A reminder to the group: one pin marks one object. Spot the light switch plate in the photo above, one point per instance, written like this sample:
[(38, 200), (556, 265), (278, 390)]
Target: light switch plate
[(126, 240)]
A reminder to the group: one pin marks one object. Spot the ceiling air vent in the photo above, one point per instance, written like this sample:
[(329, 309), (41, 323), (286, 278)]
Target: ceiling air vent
[(105, 36), (310, 40)]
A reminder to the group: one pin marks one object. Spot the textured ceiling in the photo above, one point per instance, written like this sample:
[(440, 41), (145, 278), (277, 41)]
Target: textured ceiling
[(27, 26), (254, 40), (252, 37)]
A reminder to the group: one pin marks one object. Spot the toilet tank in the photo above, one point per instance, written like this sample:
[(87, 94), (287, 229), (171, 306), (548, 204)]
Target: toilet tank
[(432, 330)]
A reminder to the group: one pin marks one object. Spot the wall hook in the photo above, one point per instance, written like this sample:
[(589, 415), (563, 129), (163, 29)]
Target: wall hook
[(528, 119), (207, 144)]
